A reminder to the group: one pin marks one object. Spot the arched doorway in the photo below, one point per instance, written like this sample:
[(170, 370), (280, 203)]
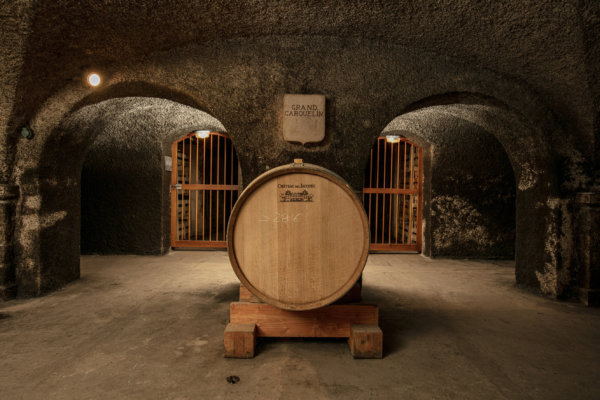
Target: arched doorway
[(392, 194), (205, 184)]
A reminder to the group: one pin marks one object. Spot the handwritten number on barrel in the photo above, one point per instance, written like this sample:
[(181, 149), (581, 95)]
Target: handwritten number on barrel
[(277, 218)]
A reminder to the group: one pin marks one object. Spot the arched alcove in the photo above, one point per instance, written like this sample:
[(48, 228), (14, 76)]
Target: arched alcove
[(536, 254), (125, 173), (126, 192)]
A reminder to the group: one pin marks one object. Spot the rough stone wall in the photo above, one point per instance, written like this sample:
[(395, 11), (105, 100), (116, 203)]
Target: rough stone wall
[(473, 198), (590, 19), (121, 196), (125, 204), (541, 254), (537, 42), (15, 19), (246, 96)]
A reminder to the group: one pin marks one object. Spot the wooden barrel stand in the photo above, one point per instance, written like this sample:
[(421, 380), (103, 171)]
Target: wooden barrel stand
[(250, 319), (298, 240)]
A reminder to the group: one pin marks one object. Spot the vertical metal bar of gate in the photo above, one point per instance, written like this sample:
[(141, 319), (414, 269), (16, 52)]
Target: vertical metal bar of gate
[(203, 182), (217, 191), (196, 208), (397, 209), (208, 189), (182, 196), (377, 197), (189, 236), (410, 203), (391, 195), (210, 164), (225, 183), (403, 195), (396, 224)]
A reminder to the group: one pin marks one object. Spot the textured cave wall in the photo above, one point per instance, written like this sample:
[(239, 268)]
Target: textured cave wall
[(47, 246), (539, 42), (121, 195), (472, 197), (15, 20), (242, 83), (590, 17), (542, 230), (367, 81), (125, 202)]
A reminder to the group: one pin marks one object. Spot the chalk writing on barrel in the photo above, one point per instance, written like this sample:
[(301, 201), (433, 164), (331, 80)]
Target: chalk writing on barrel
[(278, 217)]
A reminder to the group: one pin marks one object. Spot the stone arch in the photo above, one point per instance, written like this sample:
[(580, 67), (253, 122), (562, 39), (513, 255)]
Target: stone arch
[(46, 219), (124, 169), (538, 259)]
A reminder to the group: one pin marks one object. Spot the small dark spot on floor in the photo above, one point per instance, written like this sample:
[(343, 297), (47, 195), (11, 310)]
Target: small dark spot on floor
[(233, 379)]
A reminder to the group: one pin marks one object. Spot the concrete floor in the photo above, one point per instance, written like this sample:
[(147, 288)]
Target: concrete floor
[(152, 328)]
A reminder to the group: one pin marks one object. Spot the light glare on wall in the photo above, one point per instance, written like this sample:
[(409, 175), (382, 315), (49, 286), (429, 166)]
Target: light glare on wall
[(94, 79), (202, 134), (392, 138)]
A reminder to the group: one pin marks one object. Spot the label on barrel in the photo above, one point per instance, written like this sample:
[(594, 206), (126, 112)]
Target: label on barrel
[(291, 193)]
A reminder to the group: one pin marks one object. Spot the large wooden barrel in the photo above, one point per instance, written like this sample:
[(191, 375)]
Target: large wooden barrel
[(298, 237)]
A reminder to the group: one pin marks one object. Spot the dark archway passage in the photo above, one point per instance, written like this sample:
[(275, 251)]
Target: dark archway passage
[(125, 177)]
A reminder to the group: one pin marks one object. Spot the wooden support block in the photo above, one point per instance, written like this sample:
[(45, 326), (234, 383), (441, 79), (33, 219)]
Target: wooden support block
[(366, 341), (240, 340), (330, 321)]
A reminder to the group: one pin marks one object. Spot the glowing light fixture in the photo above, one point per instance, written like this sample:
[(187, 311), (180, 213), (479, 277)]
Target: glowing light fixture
[(202, 134), (392, 138), (94, 79)]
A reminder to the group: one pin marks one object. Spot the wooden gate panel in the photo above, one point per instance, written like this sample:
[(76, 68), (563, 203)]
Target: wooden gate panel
[(205, 184), (392, 195)]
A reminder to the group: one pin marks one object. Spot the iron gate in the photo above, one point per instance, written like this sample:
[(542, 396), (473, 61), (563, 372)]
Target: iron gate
[(392, 195), (205, 184)]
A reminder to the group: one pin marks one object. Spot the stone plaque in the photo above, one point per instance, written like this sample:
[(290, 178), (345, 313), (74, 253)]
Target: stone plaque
[(304, 118)]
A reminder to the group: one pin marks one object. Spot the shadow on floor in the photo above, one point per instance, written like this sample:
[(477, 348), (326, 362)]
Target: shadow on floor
[(400, 321)]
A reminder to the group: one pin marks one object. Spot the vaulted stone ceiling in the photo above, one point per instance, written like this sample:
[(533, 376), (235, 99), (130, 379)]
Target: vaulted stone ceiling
[(65, 36)]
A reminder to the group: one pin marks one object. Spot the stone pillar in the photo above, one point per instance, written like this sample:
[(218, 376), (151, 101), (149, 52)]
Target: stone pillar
[(587, 243), (8, 199)]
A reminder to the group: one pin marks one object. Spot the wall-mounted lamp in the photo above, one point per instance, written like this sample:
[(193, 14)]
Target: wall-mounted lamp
[(392, 138), (203, 134), (94, 79), (27, 132)]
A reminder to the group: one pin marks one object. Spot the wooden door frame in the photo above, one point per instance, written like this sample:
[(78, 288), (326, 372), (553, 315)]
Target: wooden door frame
[(389, 247), (199, 188)]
